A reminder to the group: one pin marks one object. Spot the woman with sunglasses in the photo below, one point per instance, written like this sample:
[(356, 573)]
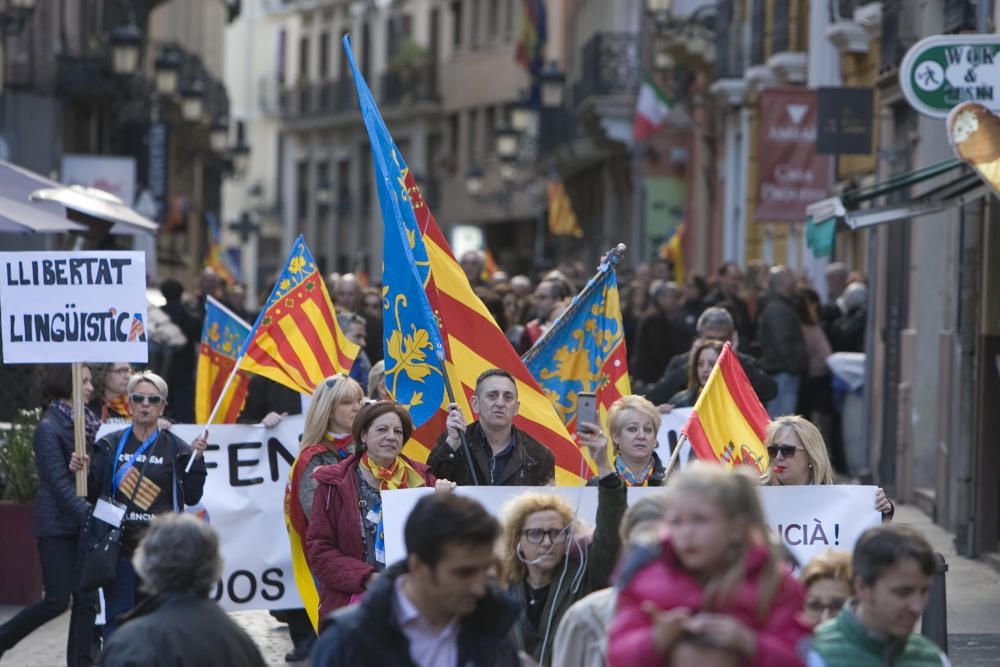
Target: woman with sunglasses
[(141, 471), (798, 456), (544, 563), (344, 542)]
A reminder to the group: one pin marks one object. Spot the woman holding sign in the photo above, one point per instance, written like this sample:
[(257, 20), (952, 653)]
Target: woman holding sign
[(798, 456), (345, 544), (60, 516), (136, 474)]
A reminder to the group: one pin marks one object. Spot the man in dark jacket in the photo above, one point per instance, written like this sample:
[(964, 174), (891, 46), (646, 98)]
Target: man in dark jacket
[(178, 561), (713, 324), (783, 346), (659, 334), (436, 608), (727, 296), (502, 454)]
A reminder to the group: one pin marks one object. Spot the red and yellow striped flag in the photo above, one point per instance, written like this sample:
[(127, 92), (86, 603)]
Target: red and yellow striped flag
[(728, 423), (562, 219), (474, 343), (296, 340)]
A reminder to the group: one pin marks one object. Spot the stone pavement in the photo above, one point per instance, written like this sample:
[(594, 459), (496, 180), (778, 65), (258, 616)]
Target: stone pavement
[(973, 591)]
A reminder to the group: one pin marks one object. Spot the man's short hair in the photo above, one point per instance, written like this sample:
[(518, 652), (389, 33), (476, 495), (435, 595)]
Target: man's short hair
[(439, 519), (494, 372), (725, 266), (881, 547), (715, 318), (178, 553)]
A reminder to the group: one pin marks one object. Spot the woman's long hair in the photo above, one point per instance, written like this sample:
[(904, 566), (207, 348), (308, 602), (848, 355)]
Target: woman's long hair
[(330, 393), (821, 470), (693, 363), (515, 514), (734, 493)]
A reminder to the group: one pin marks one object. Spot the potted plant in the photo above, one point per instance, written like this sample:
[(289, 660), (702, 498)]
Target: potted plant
[(21, 574)]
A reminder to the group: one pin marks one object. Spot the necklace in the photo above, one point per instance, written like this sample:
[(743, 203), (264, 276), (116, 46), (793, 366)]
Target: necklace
[(536, 595)]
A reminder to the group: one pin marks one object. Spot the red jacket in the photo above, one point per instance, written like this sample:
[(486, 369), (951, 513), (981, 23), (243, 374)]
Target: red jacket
[(662, 580), (333, 543)]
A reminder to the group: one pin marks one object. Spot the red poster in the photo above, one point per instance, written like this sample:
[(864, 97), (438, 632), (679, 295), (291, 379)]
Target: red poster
[(791, 173)]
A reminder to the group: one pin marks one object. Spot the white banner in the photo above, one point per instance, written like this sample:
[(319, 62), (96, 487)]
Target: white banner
[(63, 307), (808, 519), (244, 498), (671, 424)]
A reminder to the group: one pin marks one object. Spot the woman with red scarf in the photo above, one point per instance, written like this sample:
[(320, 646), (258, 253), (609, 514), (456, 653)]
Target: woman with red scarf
[(110, 396), (345, 544)]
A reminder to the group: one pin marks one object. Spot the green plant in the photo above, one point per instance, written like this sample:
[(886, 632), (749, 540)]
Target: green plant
[(18, 472)]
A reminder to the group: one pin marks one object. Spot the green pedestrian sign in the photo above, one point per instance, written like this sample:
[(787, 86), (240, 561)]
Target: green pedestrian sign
[(940, 72)]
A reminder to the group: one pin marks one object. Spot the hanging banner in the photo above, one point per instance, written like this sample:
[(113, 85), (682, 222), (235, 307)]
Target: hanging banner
[(807, 519), (64, 307), (790, 173), (845, 124)]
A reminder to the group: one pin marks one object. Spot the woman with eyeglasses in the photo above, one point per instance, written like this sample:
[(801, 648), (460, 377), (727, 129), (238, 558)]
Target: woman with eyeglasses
[(546, 565), (634, 422), (827, 580), (140, 470), (110, 400), (344, 542), (798, 456)]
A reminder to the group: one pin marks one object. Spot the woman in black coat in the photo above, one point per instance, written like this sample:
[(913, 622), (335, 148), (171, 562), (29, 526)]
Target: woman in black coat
[(60, 517)]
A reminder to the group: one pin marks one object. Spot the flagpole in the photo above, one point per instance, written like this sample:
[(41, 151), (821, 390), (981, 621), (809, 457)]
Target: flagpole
[(674, 455), (461, 434), (215, 409)]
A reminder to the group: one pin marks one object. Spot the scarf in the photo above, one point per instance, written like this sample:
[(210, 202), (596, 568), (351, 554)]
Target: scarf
[(116, 407), (400, 475), (629, 477), (90, 421), (340, 444)]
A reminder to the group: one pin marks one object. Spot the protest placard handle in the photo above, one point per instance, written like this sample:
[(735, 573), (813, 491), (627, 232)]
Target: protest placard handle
[(79, 433), (674, 455)]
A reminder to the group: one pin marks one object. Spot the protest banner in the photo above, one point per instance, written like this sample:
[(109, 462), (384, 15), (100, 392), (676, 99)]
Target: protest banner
[(808, 519), (244, 494), (669, 434), (65, 307)]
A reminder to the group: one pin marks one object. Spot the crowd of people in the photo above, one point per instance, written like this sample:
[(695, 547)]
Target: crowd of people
[(689, 575)]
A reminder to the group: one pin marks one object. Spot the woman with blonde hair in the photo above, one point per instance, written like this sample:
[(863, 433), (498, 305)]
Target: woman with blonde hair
[(798, 456), (633, 423), (544, 567), (827, 580)]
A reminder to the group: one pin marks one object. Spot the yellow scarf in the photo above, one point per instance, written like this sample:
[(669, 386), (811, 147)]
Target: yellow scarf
[(400, 475)]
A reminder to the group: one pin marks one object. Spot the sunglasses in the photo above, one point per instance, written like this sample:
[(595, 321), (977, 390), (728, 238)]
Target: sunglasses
[(786, 451), (146, 398), (538, 535)]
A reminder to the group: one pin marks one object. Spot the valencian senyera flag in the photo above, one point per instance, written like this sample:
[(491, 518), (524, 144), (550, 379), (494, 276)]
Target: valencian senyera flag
[(414, 352), (474, 343), (216, 258), (296, 340), (728, 423), (584, 350), (222, 338)]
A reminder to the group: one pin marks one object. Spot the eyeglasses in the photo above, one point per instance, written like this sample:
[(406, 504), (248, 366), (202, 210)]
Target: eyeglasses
[(819, 606), (786, 451), (152, 399), (538, 535)]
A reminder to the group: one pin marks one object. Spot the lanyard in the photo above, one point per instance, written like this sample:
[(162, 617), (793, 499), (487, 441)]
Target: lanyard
[(118, 475)]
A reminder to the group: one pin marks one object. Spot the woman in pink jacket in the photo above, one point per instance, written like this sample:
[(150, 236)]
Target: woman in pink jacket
[(715, 585)]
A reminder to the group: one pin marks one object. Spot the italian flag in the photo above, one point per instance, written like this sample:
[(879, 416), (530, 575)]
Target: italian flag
[(651, 110)]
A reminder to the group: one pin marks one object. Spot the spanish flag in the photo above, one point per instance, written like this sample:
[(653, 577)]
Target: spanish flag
[(296, 340), (222, 338), (728, 423)]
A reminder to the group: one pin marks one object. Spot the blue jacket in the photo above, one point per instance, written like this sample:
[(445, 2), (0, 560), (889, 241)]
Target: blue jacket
[(59, 512)]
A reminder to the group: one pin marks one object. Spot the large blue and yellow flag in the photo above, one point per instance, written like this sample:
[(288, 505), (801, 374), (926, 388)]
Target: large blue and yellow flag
[(584, 351), (413, 348), (222, 338)]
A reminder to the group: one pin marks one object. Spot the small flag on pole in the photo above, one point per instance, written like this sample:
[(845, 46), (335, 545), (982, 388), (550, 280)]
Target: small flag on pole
[(222, 338), (651, 109)]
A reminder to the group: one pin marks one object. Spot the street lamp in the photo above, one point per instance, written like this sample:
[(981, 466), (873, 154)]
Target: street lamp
[(219, 135), (551, 82), (126, 47), (523, 116), (168, 68), (193, 101), (240, 153), (507, 142), (474, 181), (324, 193)]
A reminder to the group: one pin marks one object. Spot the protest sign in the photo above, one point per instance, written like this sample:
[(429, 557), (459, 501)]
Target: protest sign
[(64, 307), (669, 434), (808, 519), (243, 500)]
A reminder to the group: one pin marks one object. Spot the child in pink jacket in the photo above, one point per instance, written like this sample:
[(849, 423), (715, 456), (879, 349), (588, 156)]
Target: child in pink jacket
[(715, 584)]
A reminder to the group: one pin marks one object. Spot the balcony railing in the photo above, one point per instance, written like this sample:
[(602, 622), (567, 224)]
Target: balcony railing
[(325, 98), (610, 66), (406, 86)]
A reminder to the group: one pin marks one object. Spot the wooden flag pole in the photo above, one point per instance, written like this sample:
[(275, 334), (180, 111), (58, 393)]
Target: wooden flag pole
[(79, 432), (674, 455)]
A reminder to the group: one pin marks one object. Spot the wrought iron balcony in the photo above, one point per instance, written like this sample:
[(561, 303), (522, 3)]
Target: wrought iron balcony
[(610, 66), (409, 85), (325, 98)]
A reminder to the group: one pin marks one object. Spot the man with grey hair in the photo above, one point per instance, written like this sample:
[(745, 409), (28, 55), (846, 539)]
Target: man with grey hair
[(179, 564), (355, 329), (783, 353), (713, 324)]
